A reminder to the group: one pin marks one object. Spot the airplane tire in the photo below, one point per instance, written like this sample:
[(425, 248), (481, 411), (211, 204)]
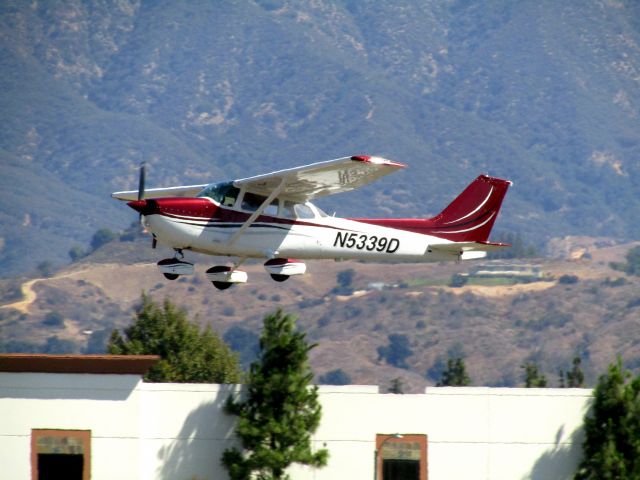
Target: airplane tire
[(279, 277), (222, 285), (170, 276)]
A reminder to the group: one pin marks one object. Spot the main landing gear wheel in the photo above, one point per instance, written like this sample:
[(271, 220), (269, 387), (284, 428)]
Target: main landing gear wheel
[(281, 269), (223, 277), (279, 277)]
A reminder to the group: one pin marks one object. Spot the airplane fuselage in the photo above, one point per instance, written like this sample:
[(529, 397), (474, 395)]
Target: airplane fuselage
[(200, 225)]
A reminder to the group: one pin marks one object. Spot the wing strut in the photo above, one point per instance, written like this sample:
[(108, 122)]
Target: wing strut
[(276, 191)]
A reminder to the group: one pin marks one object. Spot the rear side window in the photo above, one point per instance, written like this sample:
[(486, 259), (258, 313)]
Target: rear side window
[(252, 201), (303, 211)]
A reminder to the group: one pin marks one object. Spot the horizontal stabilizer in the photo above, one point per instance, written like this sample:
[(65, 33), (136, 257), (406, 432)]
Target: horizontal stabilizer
[(467, 250)]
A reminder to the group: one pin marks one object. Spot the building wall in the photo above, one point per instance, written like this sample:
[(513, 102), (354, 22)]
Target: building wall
[(178, 431), (108, 405)]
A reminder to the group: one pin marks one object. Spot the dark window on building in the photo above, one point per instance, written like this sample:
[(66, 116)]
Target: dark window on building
[(401, 456), (60, 466), (400, 469), (60, 454)]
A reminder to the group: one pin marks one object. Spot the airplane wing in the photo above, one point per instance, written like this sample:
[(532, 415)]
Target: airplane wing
[(184, 191), (322, 178)]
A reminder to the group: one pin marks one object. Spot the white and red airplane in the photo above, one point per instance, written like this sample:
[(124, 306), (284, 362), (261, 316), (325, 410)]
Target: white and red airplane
[(270, 216)]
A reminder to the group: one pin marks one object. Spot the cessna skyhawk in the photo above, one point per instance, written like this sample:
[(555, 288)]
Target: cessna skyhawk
[(270, 216)]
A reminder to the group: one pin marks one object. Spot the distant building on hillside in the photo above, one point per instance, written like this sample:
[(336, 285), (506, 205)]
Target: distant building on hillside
[(506, 270)]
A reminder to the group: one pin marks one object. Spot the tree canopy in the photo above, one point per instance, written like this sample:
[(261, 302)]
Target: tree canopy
[(281, 408), (533, 377), (611, 448), (397, 352), (632, 265), (335, 377), (455, 375), (188, 354), (573, 378), (102, 237)]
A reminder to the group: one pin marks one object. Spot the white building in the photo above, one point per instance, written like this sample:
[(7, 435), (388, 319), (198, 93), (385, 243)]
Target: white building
[(93, 415)]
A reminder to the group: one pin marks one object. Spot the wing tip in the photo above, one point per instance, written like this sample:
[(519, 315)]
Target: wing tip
[(377, 160)]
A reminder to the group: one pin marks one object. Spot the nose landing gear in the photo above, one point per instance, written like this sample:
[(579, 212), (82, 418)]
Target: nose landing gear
[(172, 268)]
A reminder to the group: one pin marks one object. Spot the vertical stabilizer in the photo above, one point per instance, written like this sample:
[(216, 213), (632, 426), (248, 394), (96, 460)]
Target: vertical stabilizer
[(470, 217)]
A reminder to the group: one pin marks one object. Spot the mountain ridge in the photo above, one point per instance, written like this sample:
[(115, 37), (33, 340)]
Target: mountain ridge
[(543, 94)]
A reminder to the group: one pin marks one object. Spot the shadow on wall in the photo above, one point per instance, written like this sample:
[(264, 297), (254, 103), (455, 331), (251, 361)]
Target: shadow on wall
[(561, 462), (204, 436)]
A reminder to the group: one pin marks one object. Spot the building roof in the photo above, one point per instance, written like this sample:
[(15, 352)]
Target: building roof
[(41, 363)]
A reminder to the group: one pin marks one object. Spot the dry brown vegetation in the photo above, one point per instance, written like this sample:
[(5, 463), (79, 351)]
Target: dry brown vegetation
[(495, 329)]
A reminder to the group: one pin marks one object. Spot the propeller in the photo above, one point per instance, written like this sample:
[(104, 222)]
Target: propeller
[(143, 168), (141, 205), (141, 182)]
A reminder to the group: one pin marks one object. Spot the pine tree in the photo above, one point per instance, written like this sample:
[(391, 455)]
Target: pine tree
[(397, 386), (575, 376), (187, 353), (561, 380), (611, 447), (455, 375), (533, 377), (281, 409)]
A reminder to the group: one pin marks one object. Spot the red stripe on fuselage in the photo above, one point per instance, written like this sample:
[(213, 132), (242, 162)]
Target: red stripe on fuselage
[(204, 209)]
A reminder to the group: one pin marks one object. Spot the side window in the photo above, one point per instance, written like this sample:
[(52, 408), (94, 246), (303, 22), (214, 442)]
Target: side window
[(287, 209), (303, 211), (252, 201), (272, 209)]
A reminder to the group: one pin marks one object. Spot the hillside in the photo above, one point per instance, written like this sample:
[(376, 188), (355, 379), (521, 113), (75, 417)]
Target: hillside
[(543, 93), (495, 328)]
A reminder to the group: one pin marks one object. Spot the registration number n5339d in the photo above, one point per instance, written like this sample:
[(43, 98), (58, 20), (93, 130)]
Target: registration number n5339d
[(361, 241)]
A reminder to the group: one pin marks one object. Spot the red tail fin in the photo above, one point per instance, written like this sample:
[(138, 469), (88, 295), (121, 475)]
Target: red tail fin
[(470, 217)]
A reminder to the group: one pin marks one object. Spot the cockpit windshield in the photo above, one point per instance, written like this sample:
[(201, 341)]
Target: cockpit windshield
[(224, 193)]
